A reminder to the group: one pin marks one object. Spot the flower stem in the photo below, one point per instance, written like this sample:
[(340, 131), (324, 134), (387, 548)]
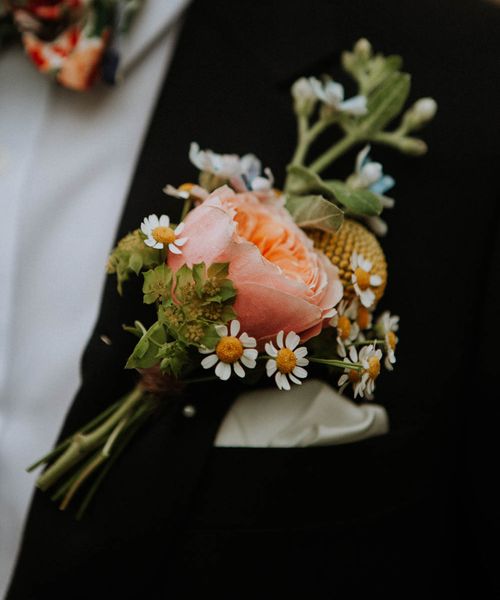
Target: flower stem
[(331, 362), (366, 342), (83, 443), (134, 425), (65, 443), (333, 153), (185, 209)]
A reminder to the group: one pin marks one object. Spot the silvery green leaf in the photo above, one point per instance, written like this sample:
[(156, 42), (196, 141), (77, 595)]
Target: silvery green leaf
[(358, 202), (315, 212), (385, 103)]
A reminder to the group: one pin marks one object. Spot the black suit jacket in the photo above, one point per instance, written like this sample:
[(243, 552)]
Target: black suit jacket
[(407, 512)]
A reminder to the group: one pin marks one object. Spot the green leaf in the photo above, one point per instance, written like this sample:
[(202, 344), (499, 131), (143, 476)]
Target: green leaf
[(358, 202), (315, 212), (384, 103), (211, 337), (145, 352), (218, 270), (199, 277), (174, 358), (135, 263), (130, 256), (157, 284)]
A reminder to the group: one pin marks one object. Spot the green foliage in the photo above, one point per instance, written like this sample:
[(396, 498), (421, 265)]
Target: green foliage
[(145, 353), (157, 284), (303, 183), (131, 255), (315, 212), (384, 104), (357, 202), (174, 358), (189, 306)]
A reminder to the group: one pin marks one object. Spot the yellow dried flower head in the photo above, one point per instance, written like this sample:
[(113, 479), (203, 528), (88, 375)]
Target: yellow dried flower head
[(352, 237)]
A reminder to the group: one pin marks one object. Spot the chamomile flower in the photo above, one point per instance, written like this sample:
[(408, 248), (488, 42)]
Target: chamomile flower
[(287, 361), (362, 381), (345, 323), (331, 93), (186, 191), (363, 280), (386, 327), (160, 234), (231, 352)]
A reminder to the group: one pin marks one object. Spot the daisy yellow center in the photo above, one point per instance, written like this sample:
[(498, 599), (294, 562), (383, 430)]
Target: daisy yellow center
[(391, 339), (229, 349), (362, 278), (164, 235), (286, 361), (186, 187), (354, 376), (344, 327), (363, 317), (373, 367)]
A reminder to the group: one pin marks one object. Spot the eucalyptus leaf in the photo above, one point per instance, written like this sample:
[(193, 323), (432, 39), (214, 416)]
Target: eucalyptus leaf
[(315, 212), (358, 202), (385, 103)]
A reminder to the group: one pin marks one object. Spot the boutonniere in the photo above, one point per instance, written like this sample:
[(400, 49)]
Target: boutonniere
[(257, 283), (73, 41)]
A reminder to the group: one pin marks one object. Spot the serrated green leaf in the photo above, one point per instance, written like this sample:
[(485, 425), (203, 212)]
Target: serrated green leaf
[(157, 284), (145, 352), (315, 212), (385, 103), (358, 202)]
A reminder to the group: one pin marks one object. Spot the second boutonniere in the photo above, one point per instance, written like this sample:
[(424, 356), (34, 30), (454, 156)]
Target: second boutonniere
[(255, 283)]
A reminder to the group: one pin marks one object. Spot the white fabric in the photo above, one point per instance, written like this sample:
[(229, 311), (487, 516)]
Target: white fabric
[(313, 414), (66, 161)]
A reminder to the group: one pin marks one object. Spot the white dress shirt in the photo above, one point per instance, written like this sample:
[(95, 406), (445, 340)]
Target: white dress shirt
[(66, 162)]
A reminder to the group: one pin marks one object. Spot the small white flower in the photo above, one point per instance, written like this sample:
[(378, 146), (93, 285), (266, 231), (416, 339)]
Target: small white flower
[(332, 93), (425, 109), (286, 361), (159, 233), (347, 327), (303, 91), (363, 381), (363, 280), (230, 351), (386, 327), (245, 172), (222, 165)]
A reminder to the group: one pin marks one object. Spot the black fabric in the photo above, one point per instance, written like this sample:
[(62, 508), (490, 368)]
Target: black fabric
[(401, 514)]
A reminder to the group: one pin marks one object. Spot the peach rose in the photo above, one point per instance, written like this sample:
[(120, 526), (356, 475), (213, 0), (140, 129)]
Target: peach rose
[(282, 281)]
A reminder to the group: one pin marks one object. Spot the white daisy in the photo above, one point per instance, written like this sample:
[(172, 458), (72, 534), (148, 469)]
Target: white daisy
[(347, 327), (363, 381), (160, 234), (286, 360), (230, 351), (386, 327), (332, 93), (363, 280)]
